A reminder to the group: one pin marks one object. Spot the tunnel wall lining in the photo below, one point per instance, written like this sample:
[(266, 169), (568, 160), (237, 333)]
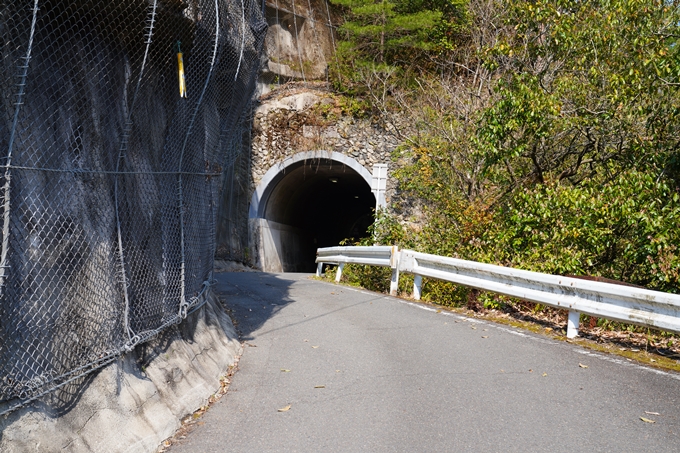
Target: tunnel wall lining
[(272, 253), (258, 201)]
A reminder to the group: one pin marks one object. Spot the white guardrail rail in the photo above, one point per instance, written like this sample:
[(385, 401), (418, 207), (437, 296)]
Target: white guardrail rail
[(623, 303), (384, 256)]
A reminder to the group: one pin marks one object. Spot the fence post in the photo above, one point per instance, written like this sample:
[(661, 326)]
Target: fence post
[(341, 266), (417, 286), (573, 323), (319, 268)]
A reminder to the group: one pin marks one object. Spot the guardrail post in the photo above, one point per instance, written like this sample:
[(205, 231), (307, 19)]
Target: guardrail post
[(319, 268), (573, 323), (417, 286), (394, 264), (338, 275), (394, 282)]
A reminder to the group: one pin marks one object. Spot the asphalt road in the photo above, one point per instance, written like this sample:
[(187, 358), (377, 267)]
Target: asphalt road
[(363, 372)]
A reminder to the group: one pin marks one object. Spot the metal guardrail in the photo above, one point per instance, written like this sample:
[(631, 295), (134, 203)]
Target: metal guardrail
[(605, 300), (384, 256)]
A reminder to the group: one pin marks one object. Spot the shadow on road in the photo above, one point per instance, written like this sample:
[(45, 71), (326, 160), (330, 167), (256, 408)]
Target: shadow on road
[(251, 298)]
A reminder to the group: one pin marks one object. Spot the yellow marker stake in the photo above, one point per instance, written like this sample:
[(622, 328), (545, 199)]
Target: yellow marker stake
[(180, 66)]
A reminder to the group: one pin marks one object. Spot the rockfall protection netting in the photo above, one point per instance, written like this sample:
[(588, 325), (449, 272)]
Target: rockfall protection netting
[(109, 178)]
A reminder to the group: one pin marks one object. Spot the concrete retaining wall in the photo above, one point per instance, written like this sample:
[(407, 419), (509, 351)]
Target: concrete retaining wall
[(134, 404)]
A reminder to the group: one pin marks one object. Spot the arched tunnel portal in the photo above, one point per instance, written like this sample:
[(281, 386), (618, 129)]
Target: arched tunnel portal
[(313, 199)]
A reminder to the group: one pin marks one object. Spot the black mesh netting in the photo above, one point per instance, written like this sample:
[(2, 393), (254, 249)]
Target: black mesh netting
[(109, 178)]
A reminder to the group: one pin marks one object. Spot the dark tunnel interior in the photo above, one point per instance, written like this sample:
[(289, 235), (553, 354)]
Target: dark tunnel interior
[(325, 201)]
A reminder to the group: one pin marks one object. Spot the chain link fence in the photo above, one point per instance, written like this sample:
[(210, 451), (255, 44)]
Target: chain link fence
[(109, 176)]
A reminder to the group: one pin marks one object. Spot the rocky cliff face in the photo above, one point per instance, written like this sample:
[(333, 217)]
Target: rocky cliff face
[(298, 46), (109, 177), (300, 41)]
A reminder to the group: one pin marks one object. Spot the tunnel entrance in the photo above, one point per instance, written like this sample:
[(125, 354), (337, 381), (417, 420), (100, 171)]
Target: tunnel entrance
[(307, 204)]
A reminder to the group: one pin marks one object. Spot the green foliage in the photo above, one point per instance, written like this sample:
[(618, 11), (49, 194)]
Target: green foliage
[(339, 106), (370, 277), (386, 230), (384, 35), (624, 230), (554, 146), (387, 31), (584, 85)]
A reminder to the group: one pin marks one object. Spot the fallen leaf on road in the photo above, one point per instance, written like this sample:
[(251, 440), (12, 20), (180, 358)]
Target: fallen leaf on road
[(647, 420), (251, 345), (438, 311), (319, 386), (485, 336), (652, 413), (314, 347), (337, 371), (545, 374), (473, 328), (582, 365), (285, 409), (531, 371), (283, 370)]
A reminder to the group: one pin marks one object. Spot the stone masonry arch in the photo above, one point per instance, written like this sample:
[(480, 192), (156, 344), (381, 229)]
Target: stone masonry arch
[(263, 190), (302, 129), (310, 199)]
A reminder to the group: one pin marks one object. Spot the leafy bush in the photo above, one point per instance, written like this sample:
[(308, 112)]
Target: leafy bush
[(549, 140), (625, 229)]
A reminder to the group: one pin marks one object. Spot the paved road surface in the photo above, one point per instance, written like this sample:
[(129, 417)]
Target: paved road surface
[(399, 377)]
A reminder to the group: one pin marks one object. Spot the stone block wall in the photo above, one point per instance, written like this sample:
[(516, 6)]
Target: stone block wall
[(307, 117)]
